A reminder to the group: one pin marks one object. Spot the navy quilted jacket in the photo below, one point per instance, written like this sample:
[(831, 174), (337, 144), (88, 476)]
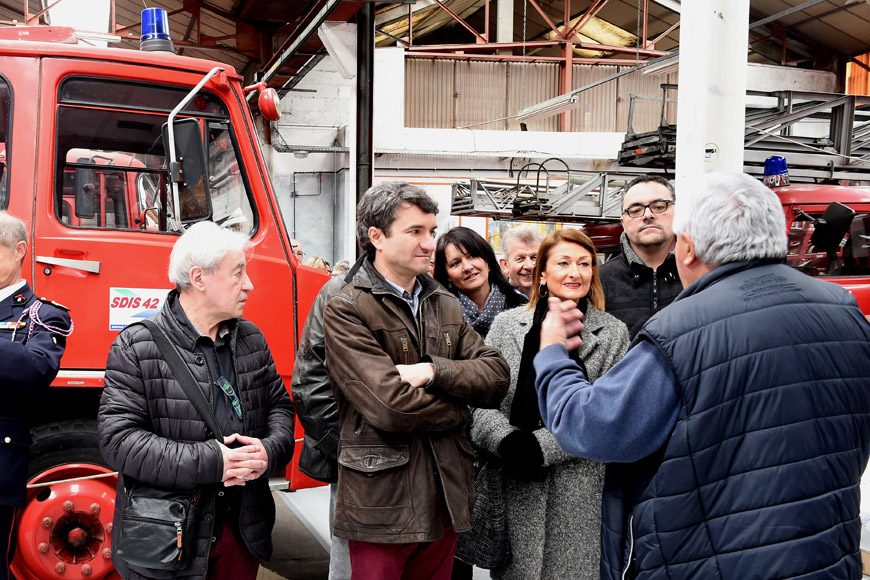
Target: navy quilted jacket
[(760, 477)]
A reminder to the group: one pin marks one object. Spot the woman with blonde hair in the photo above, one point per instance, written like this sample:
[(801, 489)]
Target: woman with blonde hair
[(318, 262), (553, 500)]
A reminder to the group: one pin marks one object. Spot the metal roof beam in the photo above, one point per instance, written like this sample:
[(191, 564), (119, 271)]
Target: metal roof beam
[(294, 42), (784, 13), (458, 19), (536, 44), (672, 5)]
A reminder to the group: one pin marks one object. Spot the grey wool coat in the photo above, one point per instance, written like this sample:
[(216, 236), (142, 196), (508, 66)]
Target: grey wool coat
[(555, 524)]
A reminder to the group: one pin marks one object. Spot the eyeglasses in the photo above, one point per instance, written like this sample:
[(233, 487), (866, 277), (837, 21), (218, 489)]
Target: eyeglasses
[(227, 388), (657, 206)]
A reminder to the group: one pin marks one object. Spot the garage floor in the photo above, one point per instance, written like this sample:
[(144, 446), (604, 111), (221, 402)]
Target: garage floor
[(301, 537)]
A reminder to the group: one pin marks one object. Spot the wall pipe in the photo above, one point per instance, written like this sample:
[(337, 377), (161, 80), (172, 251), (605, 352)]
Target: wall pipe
[(365, 73)]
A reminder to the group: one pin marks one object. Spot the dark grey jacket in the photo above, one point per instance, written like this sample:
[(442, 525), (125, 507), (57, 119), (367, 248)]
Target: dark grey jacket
[(150, 432), (312, 393)]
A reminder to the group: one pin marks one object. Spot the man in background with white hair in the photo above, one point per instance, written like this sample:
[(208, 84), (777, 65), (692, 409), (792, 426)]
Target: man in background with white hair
[(519, 253), (33, 335), (738, 426), (152, 434)]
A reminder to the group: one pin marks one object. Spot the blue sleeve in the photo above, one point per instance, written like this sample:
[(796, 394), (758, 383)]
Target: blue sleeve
[(628, 414), (34, 364)]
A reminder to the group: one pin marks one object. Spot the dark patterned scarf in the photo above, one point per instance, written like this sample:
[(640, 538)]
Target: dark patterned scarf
[(481, 320)]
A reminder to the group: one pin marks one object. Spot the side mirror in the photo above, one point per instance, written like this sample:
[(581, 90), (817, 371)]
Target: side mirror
[(85, 186), (832, 227), (193, 192)]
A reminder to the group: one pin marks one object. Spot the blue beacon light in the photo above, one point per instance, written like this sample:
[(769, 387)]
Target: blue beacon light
[(155, 31)]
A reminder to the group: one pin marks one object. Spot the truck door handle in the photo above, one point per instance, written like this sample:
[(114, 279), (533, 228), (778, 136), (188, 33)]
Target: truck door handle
[(86, 265)]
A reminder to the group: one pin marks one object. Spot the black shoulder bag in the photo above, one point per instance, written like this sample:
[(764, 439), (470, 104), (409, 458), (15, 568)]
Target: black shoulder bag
[(157, 525)]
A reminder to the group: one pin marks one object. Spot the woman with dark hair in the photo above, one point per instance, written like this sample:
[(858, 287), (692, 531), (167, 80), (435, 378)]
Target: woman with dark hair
[(466, 265), (553, 500)]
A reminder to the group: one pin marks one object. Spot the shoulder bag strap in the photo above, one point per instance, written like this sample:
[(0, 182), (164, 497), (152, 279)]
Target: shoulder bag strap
[(184, 377)]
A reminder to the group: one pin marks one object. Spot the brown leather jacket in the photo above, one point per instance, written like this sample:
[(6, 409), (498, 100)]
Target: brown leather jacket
[(405, 462)]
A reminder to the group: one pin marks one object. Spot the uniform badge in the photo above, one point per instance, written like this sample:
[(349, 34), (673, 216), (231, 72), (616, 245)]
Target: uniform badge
[(13, 325)]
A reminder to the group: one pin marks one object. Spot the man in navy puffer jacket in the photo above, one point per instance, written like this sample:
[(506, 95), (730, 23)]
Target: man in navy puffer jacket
[(738, 426)]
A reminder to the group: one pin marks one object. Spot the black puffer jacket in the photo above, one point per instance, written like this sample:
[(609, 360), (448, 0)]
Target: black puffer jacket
[(149, 431)]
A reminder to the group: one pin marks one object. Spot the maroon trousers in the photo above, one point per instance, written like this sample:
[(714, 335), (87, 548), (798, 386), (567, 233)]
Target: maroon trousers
[(229, 559), (415, 561)]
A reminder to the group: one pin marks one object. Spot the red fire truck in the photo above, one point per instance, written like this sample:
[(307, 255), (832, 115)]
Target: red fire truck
[(829, 234), (86, 152)]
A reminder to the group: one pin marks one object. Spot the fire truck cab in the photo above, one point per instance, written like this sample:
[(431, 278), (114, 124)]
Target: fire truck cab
[(86, 162), (829, 234)]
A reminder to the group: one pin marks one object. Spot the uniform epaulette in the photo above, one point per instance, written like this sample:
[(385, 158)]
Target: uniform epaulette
[(53, 303)]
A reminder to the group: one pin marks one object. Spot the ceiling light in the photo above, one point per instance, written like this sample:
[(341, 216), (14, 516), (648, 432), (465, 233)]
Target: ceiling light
[(550, 107)]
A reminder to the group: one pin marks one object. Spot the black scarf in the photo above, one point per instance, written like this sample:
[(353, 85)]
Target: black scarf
[(525, 413)]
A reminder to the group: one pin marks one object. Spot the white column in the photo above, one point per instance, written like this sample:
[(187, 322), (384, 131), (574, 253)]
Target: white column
[(714, 36), (504, 31)]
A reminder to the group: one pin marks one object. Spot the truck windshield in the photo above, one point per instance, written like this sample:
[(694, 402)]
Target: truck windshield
[(111, 167)]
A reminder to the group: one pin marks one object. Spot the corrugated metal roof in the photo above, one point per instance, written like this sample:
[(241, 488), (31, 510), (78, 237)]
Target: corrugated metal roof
[(247, 34)]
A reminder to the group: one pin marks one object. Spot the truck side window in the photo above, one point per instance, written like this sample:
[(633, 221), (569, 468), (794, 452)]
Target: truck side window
[(230, 202), (111, 167), (5, 131)]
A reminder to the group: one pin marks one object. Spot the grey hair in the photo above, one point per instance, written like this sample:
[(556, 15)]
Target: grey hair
[(204, 244), (378, 206), (341, 266), (733, 218), (525, 234), (12, 230)]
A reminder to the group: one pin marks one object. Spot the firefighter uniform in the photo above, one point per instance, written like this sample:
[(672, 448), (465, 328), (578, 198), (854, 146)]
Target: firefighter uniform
[(33, 335)]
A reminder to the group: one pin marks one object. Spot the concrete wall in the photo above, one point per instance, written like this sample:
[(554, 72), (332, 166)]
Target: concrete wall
[(316, 216)]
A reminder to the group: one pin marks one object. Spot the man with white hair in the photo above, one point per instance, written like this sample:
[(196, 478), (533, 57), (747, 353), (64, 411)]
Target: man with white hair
[(33, 335), (151, 433), (519, 253), (737, 427)]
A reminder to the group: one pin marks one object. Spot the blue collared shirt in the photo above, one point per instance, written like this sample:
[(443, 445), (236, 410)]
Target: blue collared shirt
[(412, 299)]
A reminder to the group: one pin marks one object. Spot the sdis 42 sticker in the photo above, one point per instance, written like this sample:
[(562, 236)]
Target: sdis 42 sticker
[(129, 305)]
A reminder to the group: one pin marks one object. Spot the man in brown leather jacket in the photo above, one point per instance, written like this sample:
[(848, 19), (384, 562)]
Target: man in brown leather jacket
[(404, 366)]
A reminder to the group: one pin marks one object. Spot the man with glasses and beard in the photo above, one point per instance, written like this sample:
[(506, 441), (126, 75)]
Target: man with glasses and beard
[(643, 278)]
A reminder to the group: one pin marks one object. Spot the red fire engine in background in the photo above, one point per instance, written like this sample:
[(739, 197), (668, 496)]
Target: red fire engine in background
[(86, 161)]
